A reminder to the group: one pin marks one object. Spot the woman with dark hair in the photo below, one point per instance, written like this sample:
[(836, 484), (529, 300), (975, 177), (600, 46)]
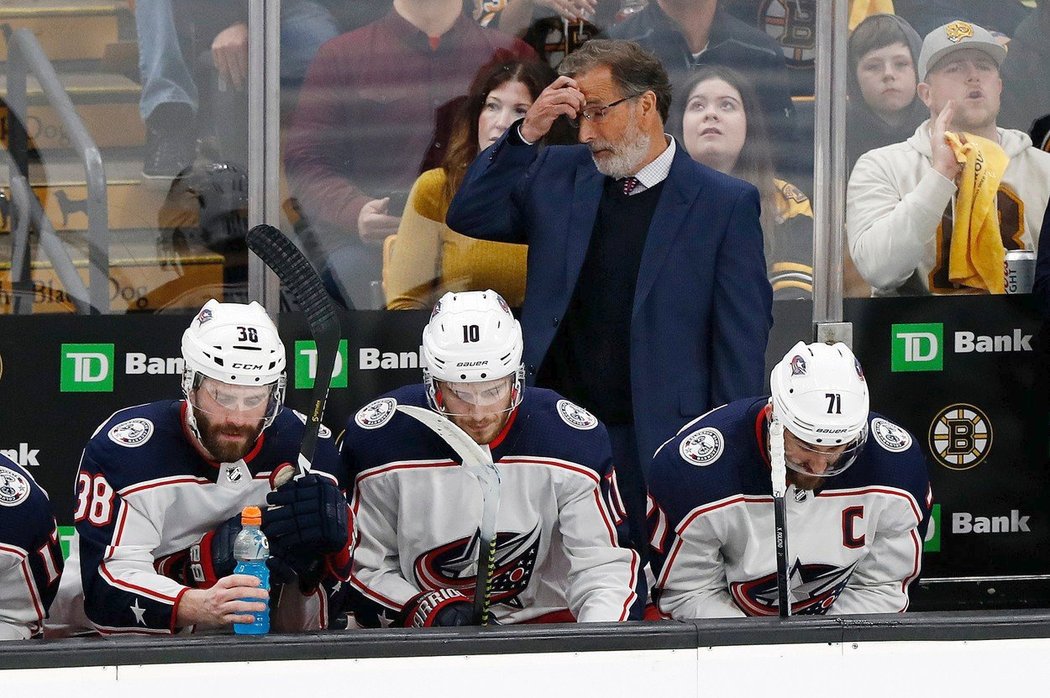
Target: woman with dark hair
[(722, 126), (427, 258), (882, 108)]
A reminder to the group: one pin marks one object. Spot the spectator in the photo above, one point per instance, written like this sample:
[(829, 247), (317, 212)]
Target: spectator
[(1000, 18), (646, 298), (723, 127), (857, 499), (30, 556), (365, 118), (793, 25), (901, 201), (417, 527), (161, 487), (1026, 90), (429, 258), (883, 105), (172, 33), (514, 16), (687, 34)]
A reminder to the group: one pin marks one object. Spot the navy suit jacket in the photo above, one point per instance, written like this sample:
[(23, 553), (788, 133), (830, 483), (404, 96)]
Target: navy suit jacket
[(702, 305)]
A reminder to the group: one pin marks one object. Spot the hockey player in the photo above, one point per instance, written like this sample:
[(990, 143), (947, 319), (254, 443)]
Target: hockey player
[(30, 557), (161, 486), (417, 511), (858, 500)]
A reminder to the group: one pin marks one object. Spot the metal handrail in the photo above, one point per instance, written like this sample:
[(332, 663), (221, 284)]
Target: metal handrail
[(25, 56), (26, 211)]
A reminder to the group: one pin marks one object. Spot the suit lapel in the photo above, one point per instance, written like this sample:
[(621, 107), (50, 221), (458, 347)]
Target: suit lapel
[(680, 190), (587, 194)]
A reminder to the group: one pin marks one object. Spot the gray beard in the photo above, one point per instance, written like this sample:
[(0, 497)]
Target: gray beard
[(628, 157)]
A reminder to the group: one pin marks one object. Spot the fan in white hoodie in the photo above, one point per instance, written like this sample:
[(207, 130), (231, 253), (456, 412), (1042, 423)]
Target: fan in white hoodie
[(901, 198)]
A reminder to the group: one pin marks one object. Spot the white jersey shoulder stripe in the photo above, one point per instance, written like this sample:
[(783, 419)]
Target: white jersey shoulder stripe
[(708, 508), (162, 482), (110, 417), (694, 421), (14, 550), (405, 464), (551, 462), (878, 489)]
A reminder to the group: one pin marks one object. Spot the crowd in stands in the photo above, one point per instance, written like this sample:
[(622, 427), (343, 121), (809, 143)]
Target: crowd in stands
[(389, 99)]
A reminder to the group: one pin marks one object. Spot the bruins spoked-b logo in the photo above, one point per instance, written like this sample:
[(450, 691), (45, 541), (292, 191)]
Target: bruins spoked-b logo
[(793, 25), (960, 437)]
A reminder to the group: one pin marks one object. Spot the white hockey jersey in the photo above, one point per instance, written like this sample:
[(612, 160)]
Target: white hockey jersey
[(417, 513), (854, 546), (145, 494), (30, 557)]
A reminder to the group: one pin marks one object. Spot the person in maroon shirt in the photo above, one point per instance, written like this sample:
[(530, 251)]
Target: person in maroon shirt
[(364, 122)]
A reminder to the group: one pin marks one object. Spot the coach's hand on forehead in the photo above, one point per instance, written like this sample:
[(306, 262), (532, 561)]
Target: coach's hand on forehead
[(561, 98)]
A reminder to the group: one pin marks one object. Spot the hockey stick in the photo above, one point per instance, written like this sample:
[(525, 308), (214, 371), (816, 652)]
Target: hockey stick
[(779, 478), (478, 463), (299, 277)]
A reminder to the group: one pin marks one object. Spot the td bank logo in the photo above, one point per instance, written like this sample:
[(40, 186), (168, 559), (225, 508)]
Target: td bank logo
[(917, 347), (306, 364), (87, 368)]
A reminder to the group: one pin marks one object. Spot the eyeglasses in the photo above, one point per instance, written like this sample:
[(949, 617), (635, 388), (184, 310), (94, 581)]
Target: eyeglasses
[(596, 113)]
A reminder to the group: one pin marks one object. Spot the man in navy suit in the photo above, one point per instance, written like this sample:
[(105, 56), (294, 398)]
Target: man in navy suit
[(646, 297)]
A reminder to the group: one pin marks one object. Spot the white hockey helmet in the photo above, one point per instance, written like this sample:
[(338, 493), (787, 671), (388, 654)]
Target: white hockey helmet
[(819, 394), (236, 344), (472, 337)]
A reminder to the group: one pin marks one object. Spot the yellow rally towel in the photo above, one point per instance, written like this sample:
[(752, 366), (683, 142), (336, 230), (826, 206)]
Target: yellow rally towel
[(977, 253), (859, 10)]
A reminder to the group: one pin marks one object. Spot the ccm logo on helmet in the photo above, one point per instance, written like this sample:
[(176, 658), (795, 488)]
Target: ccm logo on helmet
[(249, 367)]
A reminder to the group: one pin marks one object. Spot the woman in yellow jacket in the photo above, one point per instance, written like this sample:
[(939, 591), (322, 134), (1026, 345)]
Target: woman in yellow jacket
[(427, 258)]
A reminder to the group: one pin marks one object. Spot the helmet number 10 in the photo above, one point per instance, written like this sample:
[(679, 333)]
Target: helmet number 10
[(834, 403), (471, 333)]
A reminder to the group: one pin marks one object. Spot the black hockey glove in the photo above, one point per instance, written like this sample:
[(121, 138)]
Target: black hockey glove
[(207, 560), (309, 517), (442, 608)]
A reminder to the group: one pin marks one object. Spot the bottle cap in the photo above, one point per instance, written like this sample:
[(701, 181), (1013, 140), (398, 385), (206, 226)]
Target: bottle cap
[(251, 516)]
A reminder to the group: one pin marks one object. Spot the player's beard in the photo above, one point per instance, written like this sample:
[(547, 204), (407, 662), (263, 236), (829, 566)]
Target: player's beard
[(805, 482), (627, 153), (225, 450), (483, 430)]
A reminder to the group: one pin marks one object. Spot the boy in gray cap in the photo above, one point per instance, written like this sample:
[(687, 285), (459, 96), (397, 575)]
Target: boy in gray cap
[(901, 198)]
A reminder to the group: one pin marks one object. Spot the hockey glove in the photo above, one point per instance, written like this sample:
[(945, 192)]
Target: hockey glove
[(309, 517), (207, 560), (442, 608)]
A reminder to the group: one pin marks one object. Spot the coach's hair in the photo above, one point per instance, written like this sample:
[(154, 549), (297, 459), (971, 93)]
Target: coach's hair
[(634, 69)]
